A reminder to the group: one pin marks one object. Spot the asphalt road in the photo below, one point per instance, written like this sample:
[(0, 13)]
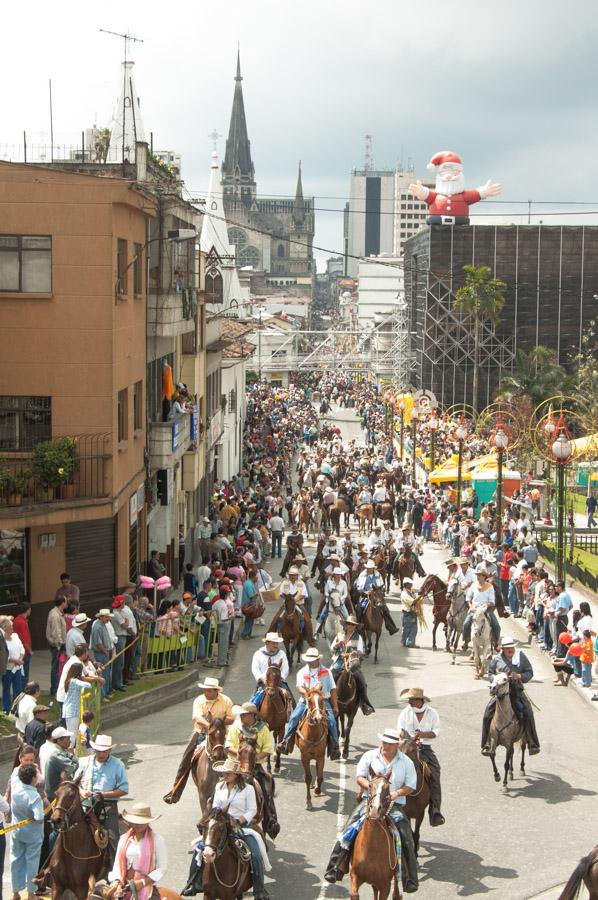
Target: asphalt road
[(516, 846)]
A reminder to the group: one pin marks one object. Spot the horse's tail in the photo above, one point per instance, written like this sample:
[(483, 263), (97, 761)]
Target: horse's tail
[(572, 888)]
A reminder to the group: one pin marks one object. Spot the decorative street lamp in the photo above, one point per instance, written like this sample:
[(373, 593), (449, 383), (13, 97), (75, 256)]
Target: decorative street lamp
[(549, 430), (561, 452), (414, 421), (402, 405), (433, 426), (500, 439), (461, 434)]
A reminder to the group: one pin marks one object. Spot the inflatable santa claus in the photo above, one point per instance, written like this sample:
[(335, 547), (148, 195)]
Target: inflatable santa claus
[(449, 203)]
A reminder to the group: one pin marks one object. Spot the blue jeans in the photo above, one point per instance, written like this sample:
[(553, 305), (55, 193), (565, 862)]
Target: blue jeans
[(24, 857), (119, 662), (324, 614), (409, 629), (493, 624), (298, 713), (276, 544), (247, 627), (257, 864), (12, 684), (223, 642), (513, 599), (106, 673), (586, 674)]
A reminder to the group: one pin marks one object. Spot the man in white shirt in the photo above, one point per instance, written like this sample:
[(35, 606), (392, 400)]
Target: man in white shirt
[(271, 654), (374, 540), (276, 528), (421, 722), (75, 635), (335, 592), (466, 575), (380, 494)]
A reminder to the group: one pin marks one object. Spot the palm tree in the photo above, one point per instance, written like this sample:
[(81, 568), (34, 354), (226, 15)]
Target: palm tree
[(536, 375), (482, 297)]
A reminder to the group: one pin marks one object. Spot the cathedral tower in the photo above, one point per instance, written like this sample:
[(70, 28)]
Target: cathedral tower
[(238, 174)]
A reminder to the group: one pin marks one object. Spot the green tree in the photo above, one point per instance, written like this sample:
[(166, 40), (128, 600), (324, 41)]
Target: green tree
[(482, 298), (536, 375)]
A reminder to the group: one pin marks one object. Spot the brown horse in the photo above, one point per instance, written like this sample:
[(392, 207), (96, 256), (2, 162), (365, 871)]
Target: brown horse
[(419, 801), (305, 515), (373, 621), (586, 871), (434, 585), (506, 729), (204, 776), (312, 739), (365, 516), (275, 709), (347, 698), (76, 861), (335, 512), (385, 512), (374, 854), (226, 869), (247, 756), (404, 567), (292, 631)]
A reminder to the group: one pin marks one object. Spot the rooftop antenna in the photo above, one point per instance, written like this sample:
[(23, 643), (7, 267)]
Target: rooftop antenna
[(369, 154), (213, 136), (127, 38)]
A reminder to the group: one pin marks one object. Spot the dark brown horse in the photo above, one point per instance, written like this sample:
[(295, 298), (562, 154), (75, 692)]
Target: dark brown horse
[(312, 740), (77, 861), (347, 697), (275, 709), (305, 515), (434, 585), (247, 756), (374, 855), (373, 621), (419, 801), (293, 633), (226, 872), (404, 566), (204, 776), (586, 871), (385, 512)]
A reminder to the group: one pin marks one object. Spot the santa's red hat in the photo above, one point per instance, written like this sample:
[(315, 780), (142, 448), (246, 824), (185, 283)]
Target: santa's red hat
[(444, 156)]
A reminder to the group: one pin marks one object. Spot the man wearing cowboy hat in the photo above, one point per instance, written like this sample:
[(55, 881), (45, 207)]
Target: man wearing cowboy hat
[(408, 540), (335, 592), (349, 641), (516, 665), (293, 587), (131, 860), (294, 546), (409, 623), (210, 705), (104, 778), (250, 726), (481, 594), (75, 635), (387, 760), (466, 574), (370, 579), (422, 723), (311, 674), (268, 656), (100, 644)]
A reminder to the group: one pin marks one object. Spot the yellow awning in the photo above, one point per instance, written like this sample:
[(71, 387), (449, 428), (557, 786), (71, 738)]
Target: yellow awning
[(448, 471), (586, 446)]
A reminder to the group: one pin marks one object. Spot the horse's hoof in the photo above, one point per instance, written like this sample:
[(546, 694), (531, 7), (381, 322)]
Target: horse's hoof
[(318, 792), (309, 807), (505, 789), (434, 648), (497, 778), (453, 661)]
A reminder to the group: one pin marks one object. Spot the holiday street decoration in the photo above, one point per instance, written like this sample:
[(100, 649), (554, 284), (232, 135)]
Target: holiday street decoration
[(449, 203)]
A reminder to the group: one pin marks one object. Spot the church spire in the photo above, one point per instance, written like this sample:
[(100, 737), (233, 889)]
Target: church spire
[(238, 174), (299, 204)]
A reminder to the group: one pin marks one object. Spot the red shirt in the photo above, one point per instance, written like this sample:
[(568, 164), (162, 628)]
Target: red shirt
[(505, 566), (21, 628)]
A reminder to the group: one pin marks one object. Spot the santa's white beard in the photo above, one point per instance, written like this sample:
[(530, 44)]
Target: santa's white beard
[(448, 187)]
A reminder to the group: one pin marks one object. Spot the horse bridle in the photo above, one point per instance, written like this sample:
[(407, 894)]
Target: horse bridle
[(217, 852), (67, 810)]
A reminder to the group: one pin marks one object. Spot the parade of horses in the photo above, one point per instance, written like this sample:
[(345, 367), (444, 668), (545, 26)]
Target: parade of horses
[(372, 569)]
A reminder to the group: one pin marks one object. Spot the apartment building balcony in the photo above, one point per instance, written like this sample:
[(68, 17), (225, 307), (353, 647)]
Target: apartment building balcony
[(169, 441), (171, 313)]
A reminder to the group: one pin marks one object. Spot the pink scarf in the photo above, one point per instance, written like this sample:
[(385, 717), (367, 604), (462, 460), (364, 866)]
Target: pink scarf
[(145, 863)]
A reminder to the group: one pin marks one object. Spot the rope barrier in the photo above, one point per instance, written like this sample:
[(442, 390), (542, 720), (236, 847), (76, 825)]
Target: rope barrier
[(23, 822)]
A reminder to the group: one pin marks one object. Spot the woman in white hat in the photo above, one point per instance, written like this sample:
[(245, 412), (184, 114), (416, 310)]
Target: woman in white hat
[(481, 593), (141, 855)]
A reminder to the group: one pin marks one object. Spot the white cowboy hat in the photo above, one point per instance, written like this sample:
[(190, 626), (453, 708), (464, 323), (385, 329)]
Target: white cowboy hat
[(452, 561), (407, 580), (508, 642), (293, 571), (61, 732), (415, 694), (370, 564), (209, 683), (104, 612), (80, 620), (140, 814), (229, 765), (312, 654), (245, 709), (337, 570), (101, 742), (463, 560), (390, 736), (272, 637), (480, 569)]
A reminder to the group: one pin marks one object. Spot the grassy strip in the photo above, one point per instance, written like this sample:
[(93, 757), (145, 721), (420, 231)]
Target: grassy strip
[(583, 559)]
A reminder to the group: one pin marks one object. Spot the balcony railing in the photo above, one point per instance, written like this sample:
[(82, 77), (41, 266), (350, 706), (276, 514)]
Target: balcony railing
[(21, 484)]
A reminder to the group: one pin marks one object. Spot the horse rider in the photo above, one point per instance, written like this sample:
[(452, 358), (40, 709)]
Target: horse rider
[(481, 594), (516, 665), (104, 778), (312, 673), (422, 723), (364, 497), (250, 726), (454, 583), (348, 546), (141, 857), (466, 574), (375, 539), (330, 547), (409, 615), (294, 546), (350, 641), (271, 654), (407, 539), (337, 586), (387, 537), (303, 569), (210, 705), (294, 587), (386, 759), (367, 580)]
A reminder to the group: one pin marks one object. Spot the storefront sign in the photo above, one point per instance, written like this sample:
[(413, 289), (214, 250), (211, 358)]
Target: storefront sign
[(215, 428), (140, 497), (175, 435), (133, 507), (194, 424)]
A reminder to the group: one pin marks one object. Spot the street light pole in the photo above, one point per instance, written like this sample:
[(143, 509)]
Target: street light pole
[(461, 434), (501, 442), (414, 421), (402, 432), (549, 430), (561, 453), (433, 425)]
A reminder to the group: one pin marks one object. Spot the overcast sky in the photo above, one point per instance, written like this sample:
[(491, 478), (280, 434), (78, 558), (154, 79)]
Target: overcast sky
[(510, 86)]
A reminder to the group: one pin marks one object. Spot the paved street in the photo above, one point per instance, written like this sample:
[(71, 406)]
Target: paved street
[(516, 846)]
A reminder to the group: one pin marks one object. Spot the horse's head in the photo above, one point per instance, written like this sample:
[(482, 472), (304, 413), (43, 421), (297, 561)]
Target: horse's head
[(335, 599), (215, 740), (315, 703), (289, 602), (409, 746), (273, 678), (376, 597), (67, 806), (247, 754), (480, 621), (216, 832), (499, 686), (378, 802)]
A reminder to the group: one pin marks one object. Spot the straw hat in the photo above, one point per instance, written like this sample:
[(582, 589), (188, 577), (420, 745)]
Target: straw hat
[(370, 564), (407, 580), (104, 612), (311, 655), (229, 765), (507, 642), (415, 694), (80, 620), (452, 561), (351, 620), (101, 743), (390, 736), (293, 571), (140, 814), (272, 637), (245, 709), (209, 683)]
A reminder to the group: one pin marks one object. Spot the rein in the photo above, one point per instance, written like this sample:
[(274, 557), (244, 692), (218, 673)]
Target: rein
[(217, 852)]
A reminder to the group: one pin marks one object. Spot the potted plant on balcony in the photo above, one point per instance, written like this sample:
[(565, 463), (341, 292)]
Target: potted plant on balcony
[(6, 484), (54, 466)]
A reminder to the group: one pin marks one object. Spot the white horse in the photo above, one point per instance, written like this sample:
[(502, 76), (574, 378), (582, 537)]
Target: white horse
[(480, 640)]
